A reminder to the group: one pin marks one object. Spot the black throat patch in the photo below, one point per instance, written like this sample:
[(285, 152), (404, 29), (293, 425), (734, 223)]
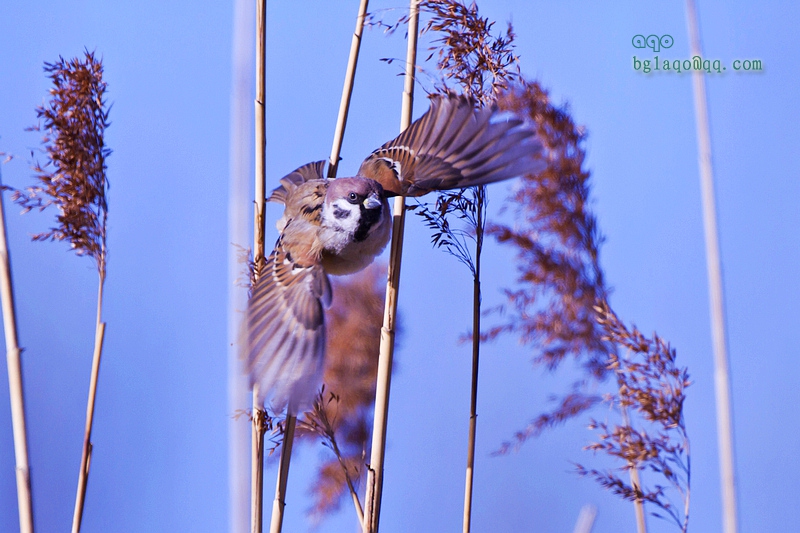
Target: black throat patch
[(369, 217)]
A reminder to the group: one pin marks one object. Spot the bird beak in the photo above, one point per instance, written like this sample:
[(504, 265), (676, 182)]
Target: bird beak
[(372, 201)]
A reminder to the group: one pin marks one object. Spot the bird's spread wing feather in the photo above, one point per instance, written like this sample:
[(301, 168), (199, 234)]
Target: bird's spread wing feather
[(455, 145), (303, 196), (286, 329), (285, 316), (290, 182)]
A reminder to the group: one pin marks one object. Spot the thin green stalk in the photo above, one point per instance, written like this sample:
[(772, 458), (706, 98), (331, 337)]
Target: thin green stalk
[(24, 499), (86, 454), (722, 382), (372, 501)]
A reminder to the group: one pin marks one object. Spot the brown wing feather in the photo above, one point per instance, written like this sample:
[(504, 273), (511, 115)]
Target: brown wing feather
[(455, 144), (285, 317), (304, 205), (286, 329), (290, 182)]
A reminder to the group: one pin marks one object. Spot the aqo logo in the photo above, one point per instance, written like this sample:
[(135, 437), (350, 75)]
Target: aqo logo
[(653, 41)]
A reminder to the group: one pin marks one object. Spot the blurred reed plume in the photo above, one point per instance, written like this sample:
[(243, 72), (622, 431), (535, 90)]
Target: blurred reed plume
[(554, 309), (73, 179), (557, 244), (342, 415), (652, 436)]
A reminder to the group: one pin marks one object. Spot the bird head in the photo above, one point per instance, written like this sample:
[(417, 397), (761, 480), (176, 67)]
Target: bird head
[(354, 198)]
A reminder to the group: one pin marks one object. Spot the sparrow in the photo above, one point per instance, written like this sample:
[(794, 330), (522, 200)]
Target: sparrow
[(338, 226)]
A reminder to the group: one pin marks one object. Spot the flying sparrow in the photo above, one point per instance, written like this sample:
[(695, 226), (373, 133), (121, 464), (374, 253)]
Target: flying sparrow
[(339, 226)]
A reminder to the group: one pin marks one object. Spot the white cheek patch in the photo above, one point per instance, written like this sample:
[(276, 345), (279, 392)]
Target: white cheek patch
[(342, 214)]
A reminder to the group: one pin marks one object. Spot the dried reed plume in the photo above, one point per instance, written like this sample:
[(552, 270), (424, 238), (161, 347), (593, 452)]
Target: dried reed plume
[(322, 421), (73, 179), (557, 242), (560, 281), (652, 436), (553, 309), (481, 64)]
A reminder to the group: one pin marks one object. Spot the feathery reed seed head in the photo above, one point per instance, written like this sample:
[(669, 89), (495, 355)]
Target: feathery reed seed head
[(73, 178)]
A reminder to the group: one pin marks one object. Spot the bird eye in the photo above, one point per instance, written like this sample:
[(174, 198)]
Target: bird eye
[(353, 197)]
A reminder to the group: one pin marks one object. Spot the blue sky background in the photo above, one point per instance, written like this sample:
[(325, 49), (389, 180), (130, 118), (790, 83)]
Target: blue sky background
[(161, 456)]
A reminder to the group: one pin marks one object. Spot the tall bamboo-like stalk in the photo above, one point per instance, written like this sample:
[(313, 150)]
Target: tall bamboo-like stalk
[(24, 500), (347, 90), (476, 351), (375, 473), (638, 505), (257, 448), (715, 292), (278, 505), (636, 483), (86, 454), (239, 206), (276, 523), (74, 180), (586, 519)]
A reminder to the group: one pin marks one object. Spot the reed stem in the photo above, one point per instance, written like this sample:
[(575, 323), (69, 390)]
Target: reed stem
[(347, 90), (641, 524), (476, 350), (372, 501), (257, 462), (278, 505), (276, 523), (86, 453), (715, 291), (15, 386), (333, 167), (638, 504), (257, 448)]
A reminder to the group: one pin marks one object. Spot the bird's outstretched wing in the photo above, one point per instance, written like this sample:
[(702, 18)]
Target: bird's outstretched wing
[(455, 144), (286, 330), (290, 182), (285, 314)]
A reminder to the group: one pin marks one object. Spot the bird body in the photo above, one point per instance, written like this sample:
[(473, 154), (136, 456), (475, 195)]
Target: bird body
[(339, 226), (342, 224)]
